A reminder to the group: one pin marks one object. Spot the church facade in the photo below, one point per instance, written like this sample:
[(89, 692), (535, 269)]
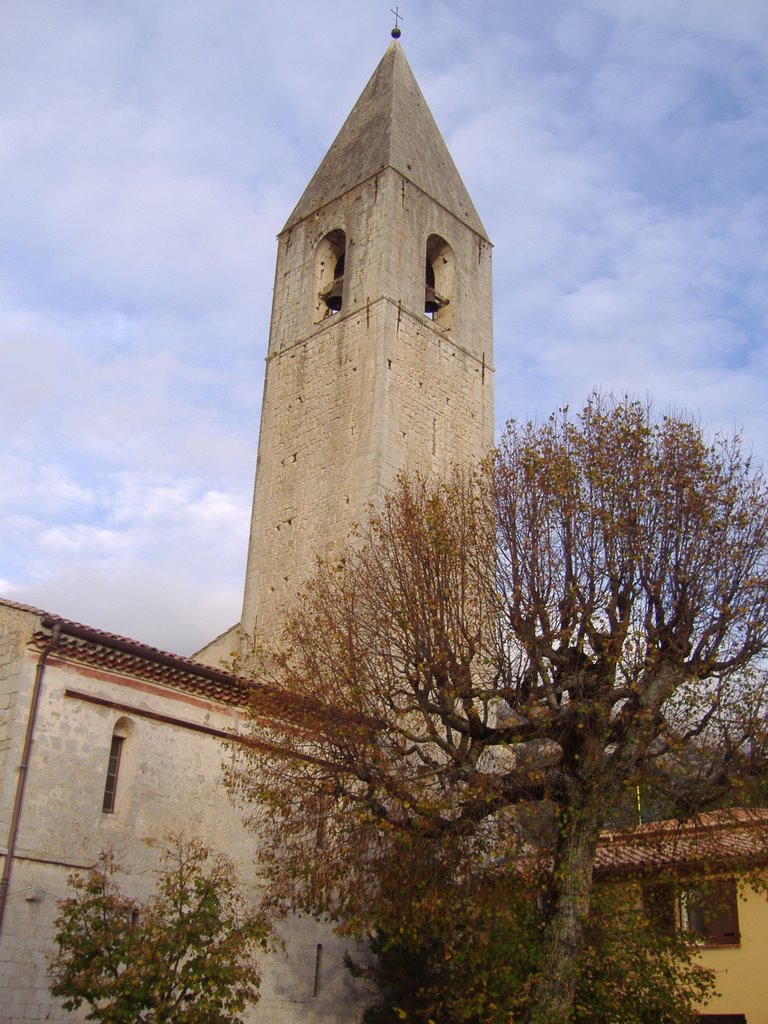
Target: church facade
[(379, 360), (71, 698)]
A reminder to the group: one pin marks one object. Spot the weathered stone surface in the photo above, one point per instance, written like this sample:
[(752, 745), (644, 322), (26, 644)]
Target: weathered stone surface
[(390, 126), (170, 780), (355, 397)]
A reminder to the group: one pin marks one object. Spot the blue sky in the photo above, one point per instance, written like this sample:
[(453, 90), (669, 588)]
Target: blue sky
[(616, 150)]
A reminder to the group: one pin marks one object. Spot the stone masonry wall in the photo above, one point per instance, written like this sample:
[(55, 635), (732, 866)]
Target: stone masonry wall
[(374, 389), (170, 780)]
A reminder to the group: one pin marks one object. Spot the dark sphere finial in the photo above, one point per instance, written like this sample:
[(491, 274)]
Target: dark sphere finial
[(396, 33)]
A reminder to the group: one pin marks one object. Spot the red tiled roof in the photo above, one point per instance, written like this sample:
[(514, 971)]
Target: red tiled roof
[(111, 652), (184, 675), (716, 836)]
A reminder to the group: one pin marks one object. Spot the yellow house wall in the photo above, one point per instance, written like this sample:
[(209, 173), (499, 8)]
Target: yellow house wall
[(742, 971)]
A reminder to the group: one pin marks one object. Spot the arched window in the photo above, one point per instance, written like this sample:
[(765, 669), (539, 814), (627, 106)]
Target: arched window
[(329, 274), (439, 281), (120, 734)]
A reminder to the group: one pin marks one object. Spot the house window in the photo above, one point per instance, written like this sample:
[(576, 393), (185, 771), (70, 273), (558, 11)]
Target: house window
[(113, 770), (722, 1018), (709, 912)]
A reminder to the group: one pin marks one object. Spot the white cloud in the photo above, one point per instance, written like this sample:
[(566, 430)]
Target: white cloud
[(163, 562)]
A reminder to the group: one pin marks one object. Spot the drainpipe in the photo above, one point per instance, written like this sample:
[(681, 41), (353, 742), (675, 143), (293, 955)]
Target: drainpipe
[(21, 781)]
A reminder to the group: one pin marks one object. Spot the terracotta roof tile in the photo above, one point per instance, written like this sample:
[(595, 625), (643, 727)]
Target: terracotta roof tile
[(111, 652), (717, 836)]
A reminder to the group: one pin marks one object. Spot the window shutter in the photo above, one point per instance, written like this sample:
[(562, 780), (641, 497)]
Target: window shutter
[(725, 929)]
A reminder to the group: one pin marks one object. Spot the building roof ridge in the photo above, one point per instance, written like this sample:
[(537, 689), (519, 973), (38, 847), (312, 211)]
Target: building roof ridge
[(21, 607), (129, 646)]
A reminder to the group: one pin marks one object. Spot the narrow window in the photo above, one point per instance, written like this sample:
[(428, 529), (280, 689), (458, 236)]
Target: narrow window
[(318, 968), (113, 770)]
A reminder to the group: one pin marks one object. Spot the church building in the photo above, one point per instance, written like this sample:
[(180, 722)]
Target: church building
[(379, 360)]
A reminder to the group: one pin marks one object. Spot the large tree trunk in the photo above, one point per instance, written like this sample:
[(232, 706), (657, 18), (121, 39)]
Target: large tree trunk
[(564, 936)]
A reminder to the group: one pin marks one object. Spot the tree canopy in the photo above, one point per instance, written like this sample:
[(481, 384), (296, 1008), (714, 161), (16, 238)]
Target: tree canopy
[(184, 956), (467, 954), (499, 655)]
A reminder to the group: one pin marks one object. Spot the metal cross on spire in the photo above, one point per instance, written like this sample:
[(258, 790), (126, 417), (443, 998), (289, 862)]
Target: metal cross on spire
[(398, 17)]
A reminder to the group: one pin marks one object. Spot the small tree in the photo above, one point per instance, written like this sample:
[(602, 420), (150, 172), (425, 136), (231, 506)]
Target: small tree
[(499, 658), (185, 956)]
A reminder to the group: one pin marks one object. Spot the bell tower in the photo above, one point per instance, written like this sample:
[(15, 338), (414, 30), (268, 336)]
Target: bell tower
[(380, 350)]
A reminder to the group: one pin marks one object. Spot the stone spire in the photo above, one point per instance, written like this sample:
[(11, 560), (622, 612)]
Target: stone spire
[(390, 126)]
